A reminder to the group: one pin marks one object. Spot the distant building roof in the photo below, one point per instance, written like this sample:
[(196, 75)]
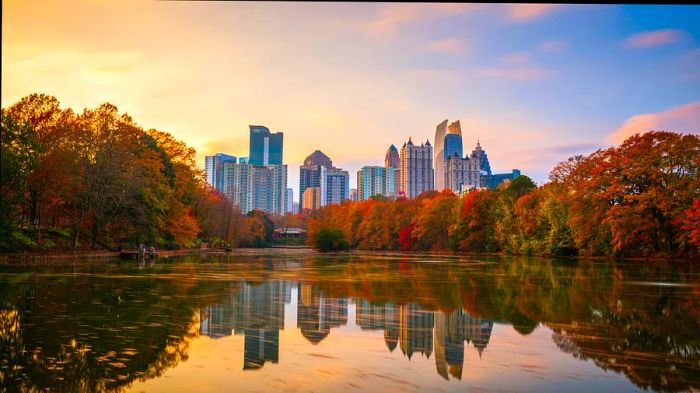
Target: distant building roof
[(318, 158)]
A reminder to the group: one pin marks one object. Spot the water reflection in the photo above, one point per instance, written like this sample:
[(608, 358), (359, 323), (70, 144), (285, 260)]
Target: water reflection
[(104, 327)]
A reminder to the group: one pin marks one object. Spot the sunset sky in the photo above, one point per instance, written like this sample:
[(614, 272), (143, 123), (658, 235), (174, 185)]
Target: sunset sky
[(534, 83)]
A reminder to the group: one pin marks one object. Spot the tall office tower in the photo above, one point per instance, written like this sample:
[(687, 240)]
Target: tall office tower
[(311, 199), (462, 174), (214, 168), (392, 160), (448, 140), (483, 159), (416, 168), (318, 171), (265, 148), (313, 176), (290, 201), (353, 194), (440, 132), (295, 207), (373, 180), (337, 186), (257, 187)]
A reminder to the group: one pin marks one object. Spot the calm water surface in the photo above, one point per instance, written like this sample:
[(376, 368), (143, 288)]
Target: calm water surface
[(364, 322)]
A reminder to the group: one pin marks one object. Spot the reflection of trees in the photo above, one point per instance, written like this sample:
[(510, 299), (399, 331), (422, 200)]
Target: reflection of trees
[(91, 333), (603, 311)]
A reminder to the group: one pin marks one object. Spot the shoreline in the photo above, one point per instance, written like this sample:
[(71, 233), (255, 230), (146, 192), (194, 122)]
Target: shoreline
[(97, 255)]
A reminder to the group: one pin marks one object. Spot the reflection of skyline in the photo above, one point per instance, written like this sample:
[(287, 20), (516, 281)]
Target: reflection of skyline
[(257, 312), (317, 313), (418, 330)]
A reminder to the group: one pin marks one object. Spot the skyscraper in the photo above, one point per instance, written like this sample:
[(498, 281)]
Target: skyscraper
[(416, 168), (265, 148), (373, 180), (318, 171), (214, 168), (445, 146), (253, 187), (337, 186), (440, 132), (392, 160), (483, 159), (462, 174)]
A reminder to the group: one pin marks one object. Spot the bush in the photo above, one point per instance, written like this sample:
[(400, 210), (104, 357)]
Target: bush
[(330, 240)]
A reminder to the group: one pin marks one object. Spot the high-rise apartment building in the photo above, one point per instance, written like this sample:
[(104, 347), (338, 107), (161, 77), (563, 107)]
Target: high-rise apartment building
[(256, 182), (265, 147), (253, 187), (214, 169), (375, 180), (416, 168), (337, 186), (446, 145)]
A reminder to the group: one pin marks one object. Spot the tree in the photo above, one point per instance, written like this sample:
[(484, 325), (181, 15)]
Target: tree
[(329, 239)]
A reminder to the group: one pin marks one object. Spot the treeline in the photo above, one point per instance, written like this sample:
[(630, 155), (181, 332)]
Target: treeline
[(96, 179), (639, 199)]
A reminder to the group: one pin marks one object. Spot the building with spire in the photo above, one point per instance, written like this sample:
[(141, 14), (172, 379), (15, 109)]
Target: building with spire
[(392, 160), (416, 168)]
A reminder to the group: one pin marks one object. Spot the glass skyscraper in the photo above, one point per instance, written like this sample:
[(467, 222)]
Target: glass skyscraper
[(453, 145), (265, 147)]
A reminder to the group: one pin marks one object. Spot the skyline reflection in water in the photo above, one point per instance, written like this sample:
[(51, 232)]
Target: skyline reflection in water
[(365, 322), (258, 313)]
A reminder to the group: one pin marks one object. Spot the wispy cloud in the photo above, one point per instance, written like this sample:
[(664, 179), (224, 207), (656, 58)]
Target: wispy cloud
[(554, 46), (651, 38), (514, 73), (527, 12), (684, 118), (391, 17), (514, 66), (453, 45)]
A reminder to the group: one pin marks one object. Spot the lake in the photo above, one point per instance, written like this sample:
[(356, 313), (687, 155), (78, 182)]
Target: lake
[(357, 322)]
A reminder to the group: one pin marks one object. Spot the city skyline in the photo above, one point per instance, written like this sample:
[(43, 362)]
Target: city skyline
[(534, 84)]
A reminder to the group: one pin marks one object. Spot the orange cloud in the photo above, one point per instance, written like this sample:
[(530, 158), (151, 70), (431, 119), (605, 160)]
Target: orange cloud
[(685, 118), (448, 45), (391, 16), (526, 12), (653, 38)]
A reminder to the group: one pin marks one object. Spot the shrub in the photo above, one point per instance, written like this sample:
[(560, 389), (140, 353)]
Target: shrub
[(330, 240)]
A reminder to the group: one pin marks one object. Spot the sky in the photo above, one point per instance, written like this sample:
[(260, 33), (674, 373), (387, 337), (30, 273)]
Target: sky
[(534, 83)]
